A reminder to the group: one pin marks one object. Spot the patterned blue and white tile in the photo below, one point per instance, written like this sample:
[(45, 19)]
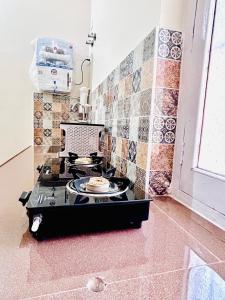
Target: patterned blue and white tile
[(169, 44), (164, 129)]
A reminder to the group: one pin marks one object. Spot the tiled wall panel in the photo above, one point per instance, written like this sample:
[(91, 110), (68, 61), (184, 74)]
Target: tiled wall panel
[(49, 111), (123, 103), (164, 115), (138, 104)]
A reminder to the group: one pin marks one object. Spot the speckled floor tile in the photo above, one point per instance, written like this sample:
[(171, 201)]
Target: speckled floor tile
[(158, 261)]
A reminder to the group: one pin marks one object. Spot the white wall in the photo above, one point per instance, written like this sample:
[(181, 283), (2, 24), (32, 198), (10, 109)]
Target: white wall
[(20, 22), (120, 25), (172, 14)]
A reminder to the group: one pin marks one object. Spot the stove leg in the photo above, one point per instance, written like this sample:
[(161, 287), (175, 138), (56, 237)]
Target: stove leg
[(136, 224)]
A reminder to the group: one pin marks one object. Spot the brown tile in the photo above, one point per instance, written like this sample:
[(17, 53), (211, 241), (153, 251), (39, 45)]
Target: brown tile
[(142, 154), (38, 106), (123, 167), (166, 101), (119, 146), (38, 132), (65, 116), (140, 178), (56, 141), (121, 90), (55, 124), (128, 86), (65, 107), (159, 182), (162, 157), (124, 152), (56, 116), (56, 132), (38, 114), (38, 140), (168, 73), (56, 107), (147, 74)]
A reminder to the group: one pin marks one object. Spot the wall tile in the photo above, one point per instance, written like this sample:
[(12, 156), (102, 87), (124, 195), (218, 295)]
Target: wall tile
[(162, 157), (140, 178), (47, 132), (121, 89), (38, 140), (47, 123), (38, 97), (159, 181), (38, 115), (143, 129), (124, 101), (128, 86), (145, 102), (38, 106), (124, 152), (169, 44), (166, 102), (55, 124), (164, 129), (125, 128), (38, 132), (126, 66), (147, 74), (118, 146), (132, 151), (110, 80), (38, 123), (115, 92), (136, 81), (131, 171), (47, 106), (114, 144), (149, 44), (126, 108), (123, 166), (56, 132), (168, 73), (138, 56), (134, 105), (134, 125), (142, 154)]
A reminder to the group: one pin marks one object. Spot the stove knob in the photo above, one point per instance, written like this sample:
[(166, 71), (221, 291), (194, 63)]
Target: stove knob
[(36, 223)]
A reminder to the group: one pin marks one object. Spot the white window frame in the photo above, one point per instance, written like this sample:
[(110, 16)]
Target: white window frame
[(197, 33)]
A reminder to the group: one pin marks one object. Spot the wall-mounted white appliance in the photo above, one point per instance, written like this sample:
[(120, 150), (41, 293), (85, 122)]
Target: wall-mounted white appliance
[(52, 66)]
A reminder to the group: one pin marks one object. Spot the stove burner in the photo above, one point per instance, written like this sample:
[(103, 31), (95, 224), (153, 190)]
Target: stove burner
[(94, 158), (117, 187)]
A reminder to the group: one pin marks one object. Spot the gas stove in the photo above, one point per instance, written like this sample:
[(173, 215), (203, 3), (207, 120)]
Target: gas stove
[(59, 205)]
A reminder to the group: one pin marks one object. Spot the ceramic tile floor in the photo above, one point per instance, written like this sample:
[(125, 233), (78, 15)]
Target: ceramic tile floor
[(175, 255)]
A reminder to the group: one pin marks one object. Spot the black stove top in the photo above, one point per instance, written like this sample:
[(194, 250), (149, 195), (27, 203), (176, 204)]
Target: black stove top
[(56, 206), (50, 189)]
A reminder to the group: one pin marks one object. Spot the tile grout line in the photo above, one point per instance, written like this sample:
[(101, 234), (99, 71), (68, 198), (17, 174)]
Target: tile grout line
[(52, 294), (127, 279), (187, 232)]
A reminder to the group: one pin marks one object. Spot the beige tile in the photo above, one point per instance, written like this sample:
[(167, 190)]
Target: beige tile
[(142, 154)]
